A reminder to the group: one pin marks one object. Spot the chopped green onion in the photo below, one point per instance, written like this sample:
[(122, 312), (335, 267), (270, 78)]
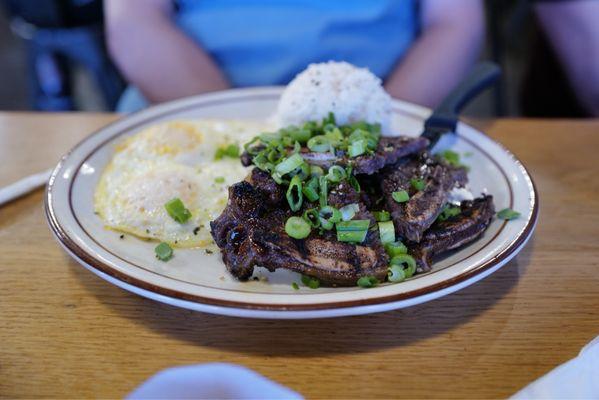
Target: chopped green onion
[(395, 249), (351, 179), (352, 231), (451, 157), (354, 225), (358, 134), (351, 236), (324, 191), (387, 232), (303, 171), (310, 126), (372, 142), (407, 261), (294, 193), (261, 161), (252, 150), (336, 174), (449, 212), (177, 210), (396, 273), (328, 216), (274, 156), (326, 225), (300, 135), (295, 286), (279, 154), (270, 138), (417, 184), (381, 216), (362, 125), (270, 149), (401, 196), (368, 281), (315, 170), (296, 147), (328, 127), (277, 178), (508, 214), (349, 211), (297, 228), (329, 119), (287, 141), (312, 217), (219, 179), (357, 148), (164, 252), (231, 150), (354, 183), (319, 144), (335, 136), (289, 164), (312, 283), (310, 189)]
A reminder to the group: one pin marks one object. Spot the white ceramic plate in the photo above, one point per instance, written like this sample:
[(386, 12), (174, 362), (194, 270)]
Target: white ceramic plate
[(199, 281)]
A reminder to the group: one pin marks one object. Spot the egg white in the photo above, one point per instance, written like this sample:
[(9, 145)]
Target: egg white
[(166, 161)]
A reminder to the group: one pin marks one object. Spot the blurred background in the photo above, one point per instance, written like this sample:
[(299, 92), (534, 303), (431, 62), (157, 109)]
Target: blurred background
[(53, 58)]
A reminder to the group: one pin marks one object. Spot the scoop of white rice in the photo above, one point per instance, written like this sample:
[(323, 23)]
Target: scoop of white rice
[(351, 93)]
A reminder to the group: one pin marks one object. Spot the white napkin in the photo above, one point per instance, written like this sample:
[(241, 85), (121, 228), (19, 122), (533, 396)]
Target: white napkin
[(211, 381), (576, 379)]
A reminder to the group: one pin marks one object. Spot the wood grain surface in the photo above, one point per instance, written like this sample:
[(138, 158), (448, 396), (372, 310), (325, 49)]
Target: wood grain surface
[(65, 333)]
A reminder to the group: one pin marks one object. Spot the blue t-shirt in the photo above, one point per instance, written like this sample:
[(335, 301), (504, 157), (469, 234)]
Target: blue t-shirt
[(267, 42)]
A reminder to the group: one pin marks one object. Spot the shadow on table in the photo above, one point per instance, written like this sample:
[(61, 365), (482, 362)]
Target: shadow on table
[(304, 338)]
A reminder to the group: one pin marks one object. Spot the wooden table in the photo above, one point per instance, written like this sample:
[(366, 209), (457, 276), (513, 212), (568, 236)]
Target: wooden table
[(66, 333)]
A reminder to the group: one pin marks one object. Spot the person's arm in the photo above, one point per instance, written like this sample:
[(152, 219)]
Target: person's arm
[(572, 28), (452, 34), (154, 55)]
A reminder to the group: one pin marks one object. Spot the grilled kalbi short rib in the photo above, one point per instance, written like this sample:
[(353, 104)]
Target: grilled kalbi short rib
[(416, 215), (250, 232), (454, 232), (389, 151)]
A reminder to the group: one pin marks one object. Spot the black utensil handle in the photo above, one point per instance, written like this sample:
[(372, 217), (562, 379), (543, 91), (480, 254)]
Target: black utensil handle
[(482, 76)]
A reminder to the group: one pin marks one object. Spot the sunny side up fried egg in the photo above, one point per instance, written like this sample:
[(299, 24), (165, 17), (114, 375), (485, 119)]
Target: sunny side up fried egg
[(166, 161)]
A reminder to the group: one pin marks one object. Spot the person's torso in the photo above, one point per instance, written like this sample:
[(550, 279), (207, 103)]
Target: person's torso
[(267, 42)]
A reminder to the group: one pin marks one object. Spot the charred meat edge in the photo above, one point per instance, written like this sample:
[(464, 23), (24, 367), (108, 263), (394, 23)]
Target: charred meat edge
[(389, 151), (270, 191), (457, 231), (250, 233), (414, 217)]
